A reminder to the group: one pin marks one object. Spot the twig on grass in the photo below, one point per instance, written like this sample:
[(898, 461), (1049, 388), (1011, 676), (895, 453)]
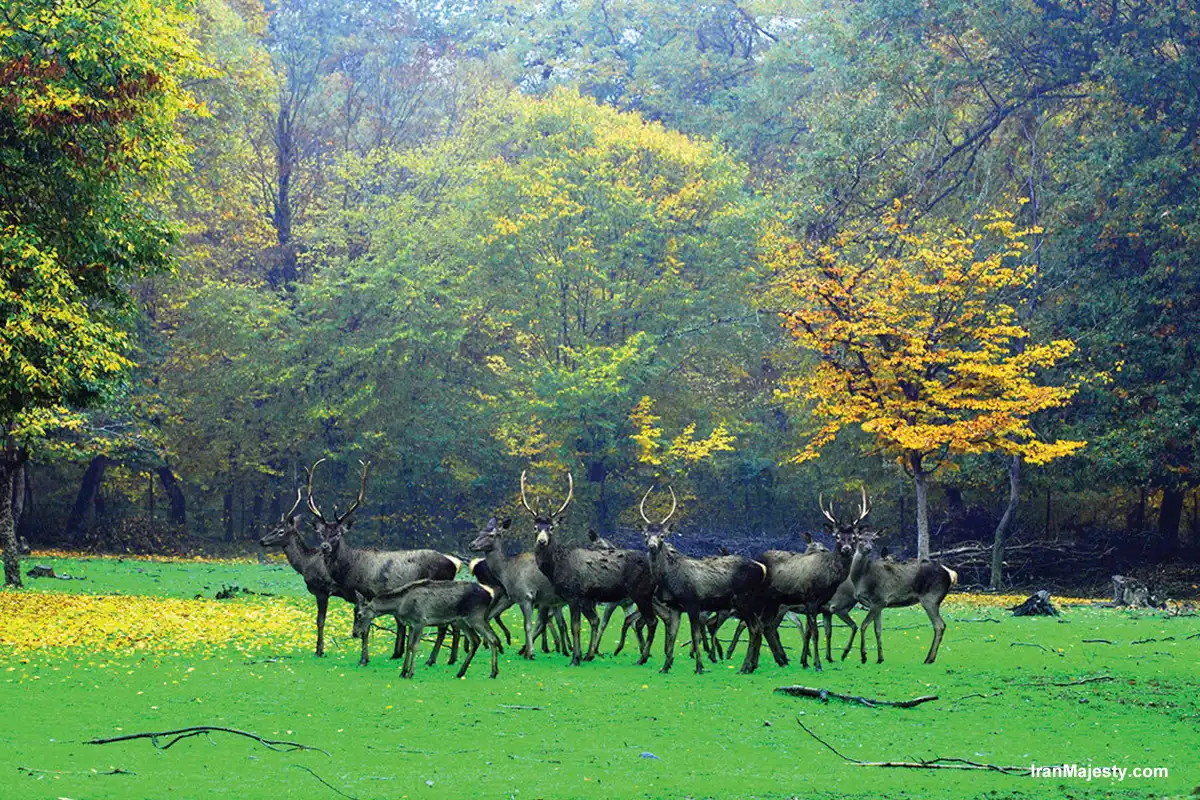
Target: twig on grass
[(1034, 644), (824, 695), (178, 734), (524, 708), (1144, 641), (325, 782), (933, 763), (113, 771), (1097, 641), (969, 696), (1096, 679)]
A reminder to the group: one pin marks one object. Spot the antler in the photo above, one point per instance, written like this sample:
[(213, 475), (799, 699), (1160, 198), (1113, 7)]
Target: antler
[(863, 509), (362, 492), (570, 495), (828, 514), (674, 505), (312, 506), (299, 497), (525, 502), (642, 507)]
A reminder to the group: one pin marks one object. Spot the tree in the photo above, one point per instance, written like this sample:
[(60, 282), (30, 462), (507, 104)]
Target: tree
[(916, 342), (89, 97)]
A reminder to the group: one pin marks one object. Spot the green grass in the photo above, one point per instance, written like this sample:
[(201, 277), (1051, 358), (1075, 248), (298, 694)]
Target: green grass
[(716, 735)]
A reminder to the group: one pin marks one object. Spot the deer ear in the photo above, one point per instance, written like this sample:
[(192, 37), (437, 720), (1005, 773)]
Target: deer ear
[(291, 520), (592, 535), (883, 553), (358, 598), (506, 524)]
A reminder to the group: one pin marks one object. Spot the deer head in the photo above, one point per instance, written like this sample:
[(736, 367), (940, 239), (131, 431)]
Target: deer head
[(364, 615), (490, 537), (285, 528), (846, 534), (331, 532), (543, 524), (656, 532)]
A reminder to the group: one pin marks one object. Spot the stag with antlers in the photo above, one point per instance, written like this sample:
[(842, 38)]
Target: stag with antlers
[(584, 577), (693, 586), (307, 561), (806, 582), (376, 572)]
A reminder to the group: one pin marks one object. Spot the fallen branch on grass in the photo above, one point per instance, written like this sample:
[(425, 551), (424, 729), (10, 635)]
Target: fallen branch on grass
[(523, 708), (824, 694), (969, 696), (1097, 641), (114, 771), (327, 783), (1033, 644), (1097, 679), (933, 763), (277, 745), (1144, 641)]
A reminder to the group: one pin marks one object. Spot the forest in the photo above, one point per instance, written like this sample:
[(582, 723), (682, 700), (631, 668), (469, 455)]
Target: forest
[(945, 250)]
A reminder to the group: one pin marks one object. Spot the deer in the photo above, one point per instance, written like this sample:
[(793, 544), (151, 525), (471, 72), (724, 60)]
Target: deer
[(425, 602), (771, 557), (884, 583), (632, 618), (483, 575), (695, 585), (522, 581), (583, 577), (805, 582), (309, 563), (375, 572)]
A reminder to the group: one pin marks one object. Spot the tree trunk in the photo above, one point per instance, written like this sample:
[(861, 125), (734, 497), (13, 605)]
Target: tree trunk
[(18, 495), (227, 514), (170, 484), (89, 490), (8, 529), (1169, 515), (24, 522), (1010, 511), (150, 496), (920, 480)]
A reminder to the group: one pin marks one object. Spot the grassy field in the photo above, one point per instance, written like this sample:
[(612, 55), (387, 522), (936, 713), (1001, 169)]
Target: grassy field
[(131, 649)]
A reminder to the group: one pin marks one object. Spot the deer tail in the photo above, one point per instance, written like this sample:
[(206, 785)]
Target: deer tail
[(953, 575)]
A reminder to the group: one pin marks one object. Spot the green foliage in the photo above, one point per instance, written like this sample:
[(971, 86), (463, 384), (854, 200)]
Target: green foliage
[(90, 97)]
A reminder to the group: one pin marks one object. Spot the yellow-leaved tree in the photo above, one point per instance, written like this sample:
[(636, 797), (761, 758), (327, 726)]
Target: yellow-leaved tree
[(918, 341)]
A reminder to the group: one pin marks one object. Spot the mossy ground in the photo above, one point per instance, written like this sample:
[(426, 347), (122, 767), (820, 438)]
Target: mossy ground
[(130, 665)]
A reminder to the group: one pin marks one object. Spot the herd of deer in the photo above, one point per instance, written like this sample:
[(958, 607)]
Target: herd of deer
[(418, 588)]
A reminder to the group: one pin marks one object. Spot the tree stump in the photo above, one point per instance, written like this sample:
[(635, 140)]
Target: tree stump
[(1036, 605), (1132, 593)]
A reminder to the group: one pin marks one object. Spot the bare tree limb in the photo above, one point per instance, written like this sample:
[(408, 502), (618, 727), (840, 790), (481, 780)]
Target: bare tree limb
[(278, 746), (325, 782), (824, 694), (933, 763)]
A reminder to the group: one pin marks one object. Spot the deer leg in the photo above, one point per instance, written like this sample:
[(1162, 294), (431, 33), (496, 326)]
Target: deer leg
[(933, 609), (322, 607), (849, 620), (455, 635), (609, 609), (493, 643), (672, 623), (753, 642), (862, 634), (398, 647), (593, 619), (470, 646), (364, 658), (828, 635), (503, 629), (437, 646), (576, 613), (771, 633), (564, 632), (814, 634), (696, 621), (527, 612), (414, 638), (625, 626), (650, 611), (879, 635), (737, 634), (717, 653)]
